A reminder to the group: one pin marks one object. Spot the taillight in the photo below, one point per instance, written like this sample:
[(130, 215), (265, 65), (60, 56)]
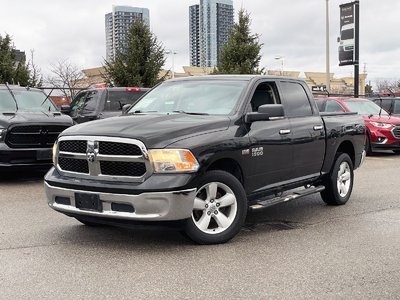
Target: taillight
[(132, 89)]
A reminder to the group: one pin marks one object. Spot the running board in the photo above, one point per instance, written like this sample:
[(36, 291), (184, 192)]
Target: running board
[(295, 195)]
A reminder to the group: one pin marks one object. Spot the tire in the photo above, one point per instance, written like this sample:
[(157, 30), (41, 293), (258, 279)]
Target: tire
[(88, 223), (219, 211), (342, 174), (368, 147)]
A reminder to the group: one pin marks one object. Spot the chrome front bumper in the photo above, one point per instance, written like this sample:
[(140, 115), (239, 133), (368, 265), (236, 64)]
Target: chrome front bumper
[(157, 206)]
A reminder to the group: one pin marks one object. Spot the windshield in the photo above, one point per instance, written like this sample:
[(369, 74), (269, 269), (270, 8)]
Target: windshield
[(365, 108), (30, 101), (217, 97)]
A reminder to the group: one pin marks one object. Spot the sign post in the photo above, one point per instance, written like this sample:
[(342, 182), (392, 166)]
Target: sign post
[(349, 39)]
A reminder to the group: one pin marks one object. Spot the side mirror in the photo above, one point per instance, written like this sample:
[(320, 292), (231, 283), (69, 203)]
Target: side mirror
[(125, 108), (265, 113), (65, 109)]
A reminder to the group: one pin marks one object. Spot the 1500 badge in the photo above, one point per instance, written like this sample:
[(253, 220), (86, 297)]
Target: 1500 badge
[(259, 151)]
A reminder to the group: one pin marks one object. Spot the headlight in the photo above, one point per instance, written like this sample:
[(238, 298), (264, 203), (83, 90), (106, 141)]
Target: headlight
[(2, 134), (173, 160), (381, 125), (54, 153)]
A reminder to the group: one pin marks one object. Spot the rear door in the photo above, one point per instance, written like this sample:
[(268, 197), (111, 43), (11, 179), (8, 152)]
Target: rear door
[(307, 130)]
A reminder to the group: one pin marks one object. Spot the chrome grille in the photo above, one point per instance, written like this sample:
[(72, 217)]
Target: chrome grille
[(33, 136), (396, 132), (103, 158)]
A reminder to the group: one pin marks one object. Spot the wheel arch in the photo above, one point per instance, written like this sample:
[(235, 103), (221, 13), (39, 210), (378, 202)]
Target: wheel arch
[(228, 165), (348, 148)]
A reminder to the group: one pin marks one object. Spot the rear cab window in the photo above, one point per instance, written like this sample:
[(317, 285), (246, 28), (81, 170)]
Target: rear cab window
[(117, 99), (296, 101)]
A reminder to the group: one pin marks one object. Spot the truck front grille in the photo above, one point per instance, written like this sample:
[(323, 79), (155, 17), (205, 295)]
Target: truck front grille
[(396, 132), (33, 136), (73, 165), (103, 158), (121, 168)]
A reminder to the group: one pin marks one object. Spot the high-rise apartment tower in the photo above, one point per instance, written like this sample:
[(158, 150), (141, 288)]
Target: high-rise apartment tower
[(209, 27), (118, 23)]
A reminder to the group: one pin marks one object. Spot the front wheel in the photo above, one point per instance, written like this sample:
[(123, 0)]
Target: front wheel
[(339, 184), (219, 209)]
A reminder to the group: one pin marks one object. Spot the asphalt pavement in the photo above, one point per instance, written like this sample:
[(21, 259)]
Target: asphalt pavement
[(302, 249)]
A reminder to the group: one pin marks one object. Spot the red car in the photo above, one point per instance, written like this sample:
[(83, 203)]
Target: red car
[(383, 130)]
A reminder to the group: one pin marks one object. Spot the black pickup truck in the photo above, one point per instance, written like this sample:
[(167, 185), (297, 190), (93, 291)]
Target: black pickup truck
[(29, 126), (200, 152)]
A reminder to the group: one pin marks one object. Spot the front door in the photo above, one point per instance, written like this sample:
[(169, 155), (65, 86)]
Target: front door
[(270, 154)]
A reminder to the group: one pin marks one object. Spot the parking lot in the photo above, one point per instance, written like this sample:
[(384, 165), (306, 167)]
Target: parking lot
[(299, 249)]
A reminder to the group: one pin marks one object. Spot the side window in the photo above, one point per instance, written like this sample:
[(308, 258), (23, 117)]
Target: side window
[(117, 99), (333, 106), (296, 100), (387, 104), (396, 107), (321, 105), (265, 93), (91, 102)]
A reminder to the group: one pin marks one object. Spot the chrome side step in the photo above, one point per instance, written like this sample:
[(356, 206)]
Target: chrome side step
[(294, 195)]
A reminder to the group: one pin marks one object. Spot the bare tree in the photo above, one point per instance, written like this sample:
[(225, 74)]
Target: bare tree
[(66, 77), (35, 76), (388, 85)]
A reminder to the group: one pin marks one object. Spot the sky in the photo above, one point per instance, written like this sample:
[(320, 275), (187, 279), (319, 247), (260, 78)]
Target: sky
[(74, 30)]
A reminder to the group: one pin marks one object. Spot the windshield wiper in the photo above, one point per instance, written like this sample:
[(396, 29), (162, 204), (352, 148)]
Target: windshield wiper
[(190, 113), (12, 94), (141, 112), (47, 97)]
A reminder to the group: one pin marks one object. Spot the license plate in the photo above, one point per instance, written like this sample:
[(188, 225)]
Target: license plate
[(44, 154), (88, 202)]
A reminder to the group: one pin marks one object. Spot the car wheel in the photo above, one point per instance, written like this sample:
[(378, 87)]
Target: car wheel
[(368, 147), (219, 209), (339, 184)]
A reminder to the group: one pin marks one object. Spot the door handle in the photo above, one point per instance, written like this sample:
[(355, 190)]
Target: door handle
[(284, 131), (318, 127)]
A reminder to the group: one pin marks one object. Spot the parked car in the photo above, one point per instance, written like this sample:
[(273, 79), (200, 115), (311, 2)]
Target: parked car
[(389, 104), (199, 152), (383, 130), (101, 103), (29, 126)]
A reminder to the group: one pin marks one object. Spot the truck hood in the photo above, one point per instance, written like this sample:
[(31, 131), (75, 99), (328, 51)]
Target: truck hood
[(383, 119), (26, 118), (154, 130)]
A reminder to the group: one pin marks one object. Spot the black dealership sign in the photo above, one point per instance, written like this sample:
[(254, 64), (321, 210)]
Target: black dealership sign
[(348, 47)]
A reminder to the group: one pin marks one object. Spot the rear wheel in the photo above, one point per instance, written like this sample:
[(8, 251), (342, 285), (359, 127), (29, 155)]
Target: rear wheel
[(339, 184), (219, 210)]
